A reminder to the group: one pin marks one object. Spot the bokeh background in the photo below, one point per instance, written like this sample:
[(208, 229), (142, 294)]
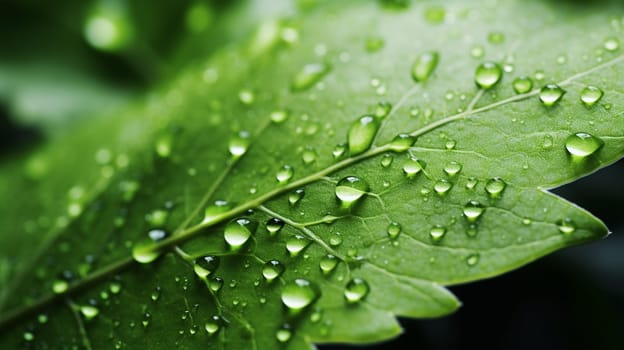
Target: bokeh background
[(65, 61)]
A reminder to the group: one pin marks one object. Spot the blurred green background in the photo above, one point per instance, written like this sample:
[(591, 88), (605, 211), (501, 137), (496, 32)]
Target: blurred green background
[(66, 61)]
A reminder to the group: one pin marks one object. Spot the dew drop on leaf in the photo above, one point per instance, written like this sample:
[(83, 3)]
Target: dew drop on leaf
[(339, 150), (350, 189), (272, 269), (402, 142), (394, 230), (328, 263), (205, 265), (163, 146), (144, 252), (215, 284), (295, 196), (452, 168), (89, 312), (374, 44), (547, 142), (473, 210), (471, 183), (383, 109), (522, 85), (424, 66), (450, 144), (611, 44), (590, 95), (472, 230), (472, 259), (308, 156), (496, 38), (488, 74), (437, 233), (157, 218), (59, 286), (495, 187), (274, 225), (284, 334), (356, 290), (299, 294), (442, 186), (284, 174), (335, 240), (239, 144), (279, 116), (215, 210), (413, 166), (550, 94), (386, 160), (155, 295), (213, 325), (296, 244), (28, 336), (238, 231), (157, 235), (246, 97), (566, 226), (582, 144), (308, 76), (361, 134)]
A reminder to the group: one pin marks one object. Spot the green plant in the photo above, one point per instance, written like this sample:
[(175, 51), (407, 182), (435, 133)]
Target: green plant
[(306, 185)]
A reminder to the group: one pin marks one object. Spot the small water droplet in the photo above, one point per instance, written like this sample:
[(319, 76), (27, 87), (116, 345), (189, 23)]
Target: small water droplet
[(284, 334), (328, 263), (296, 244), (215, 210), (488, 74), (477, 51), (146, 319), (547, 142), (413, 166), (215, 284), (214, 325), (383, 109), (285, 173), (295, 196), (495, 187), (374, 44), (89, 312), (28, 336), (472, 259), (272, 269), (144, 252), (157, 235), (526, 221), (238, 231), (471, 183), (60, 286), (566, 226), (424, 66), (356, 290), (473, 211), (386, 160), (402, 142), (42, 318), (157, 218), (582, 144), (279, 116), (308, 156), (450, 144), (590, 95), (163, 146), (274, 225), (453, 168), (522, 85), (205, 265), (550, 94), (361, 134), (611, 44), (437, 233), (335, 240), (155, 295), (299, 294), (308, 76), (246, 97), (442, 186), (496, 38), (339, 150), (239, 144), (350, 189), (394, 230)]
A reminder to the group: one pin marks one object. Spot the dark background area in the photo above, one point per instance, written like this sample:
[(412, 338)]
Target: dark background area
[(572, 299)]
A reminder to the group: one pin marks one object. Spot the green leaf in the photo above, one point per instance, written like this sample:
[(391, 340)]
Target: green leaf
[(367, 235)]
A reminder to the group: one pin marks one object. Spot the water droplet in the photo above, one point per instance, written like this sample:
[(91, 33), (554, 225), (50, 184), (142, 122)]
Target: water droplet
[(335, 240), (374, 44), (488, 74), (583, 144), (496, 38), (550, 94), (386, 160), (471, 183), (453, 168), (246, 97), (477, 51), (402, 142), (89, 312), (339, 150), (328, 263), (215, 284), (279, 116), (442, 186), (383, 109), (283, 334), (157, 235), (163, 146), (413, 166), (424, 66), (28, 336), (526, 221), (146, 319), (239, 143), (308, 156), (299, 294), (547, 142), (272, 270), (144, 252), (522, 85), (274, 225), (59, 286), (214, 211), (435, 14), (566, 226), (472, 259), (238, 231), (42, 318), (495, 187), (393, 230), (308, 76), (611, 44), (213, 325), (450, 144), (155, 295), (285, 173), (473, 210), (437, 233), (590, 95), (356, 290), (157, 218), (205, 265), (295, 196), (350, 189), (361, 134), (296, 244)]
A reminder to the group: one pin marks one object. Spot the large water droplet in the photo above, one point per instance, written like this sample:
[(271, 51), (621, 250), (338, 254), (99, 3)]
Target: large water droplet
[(424, 66), (272, 269), (238, 231), (215, 210), (296, 244), (328, 263), (453, 168), (356, 290), (285, 173), (583, 144), (488, 74), (402, 142), (473, 210), (309, 75), (437, 233), (299, 294), (495, 187), (274, 225), (566, 226), (590, 95), (361, 134), (205, 265), (239, 143), (350, 189), (522, 85), (442, 186), (550, 94), (145, 253), (413, 166)]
